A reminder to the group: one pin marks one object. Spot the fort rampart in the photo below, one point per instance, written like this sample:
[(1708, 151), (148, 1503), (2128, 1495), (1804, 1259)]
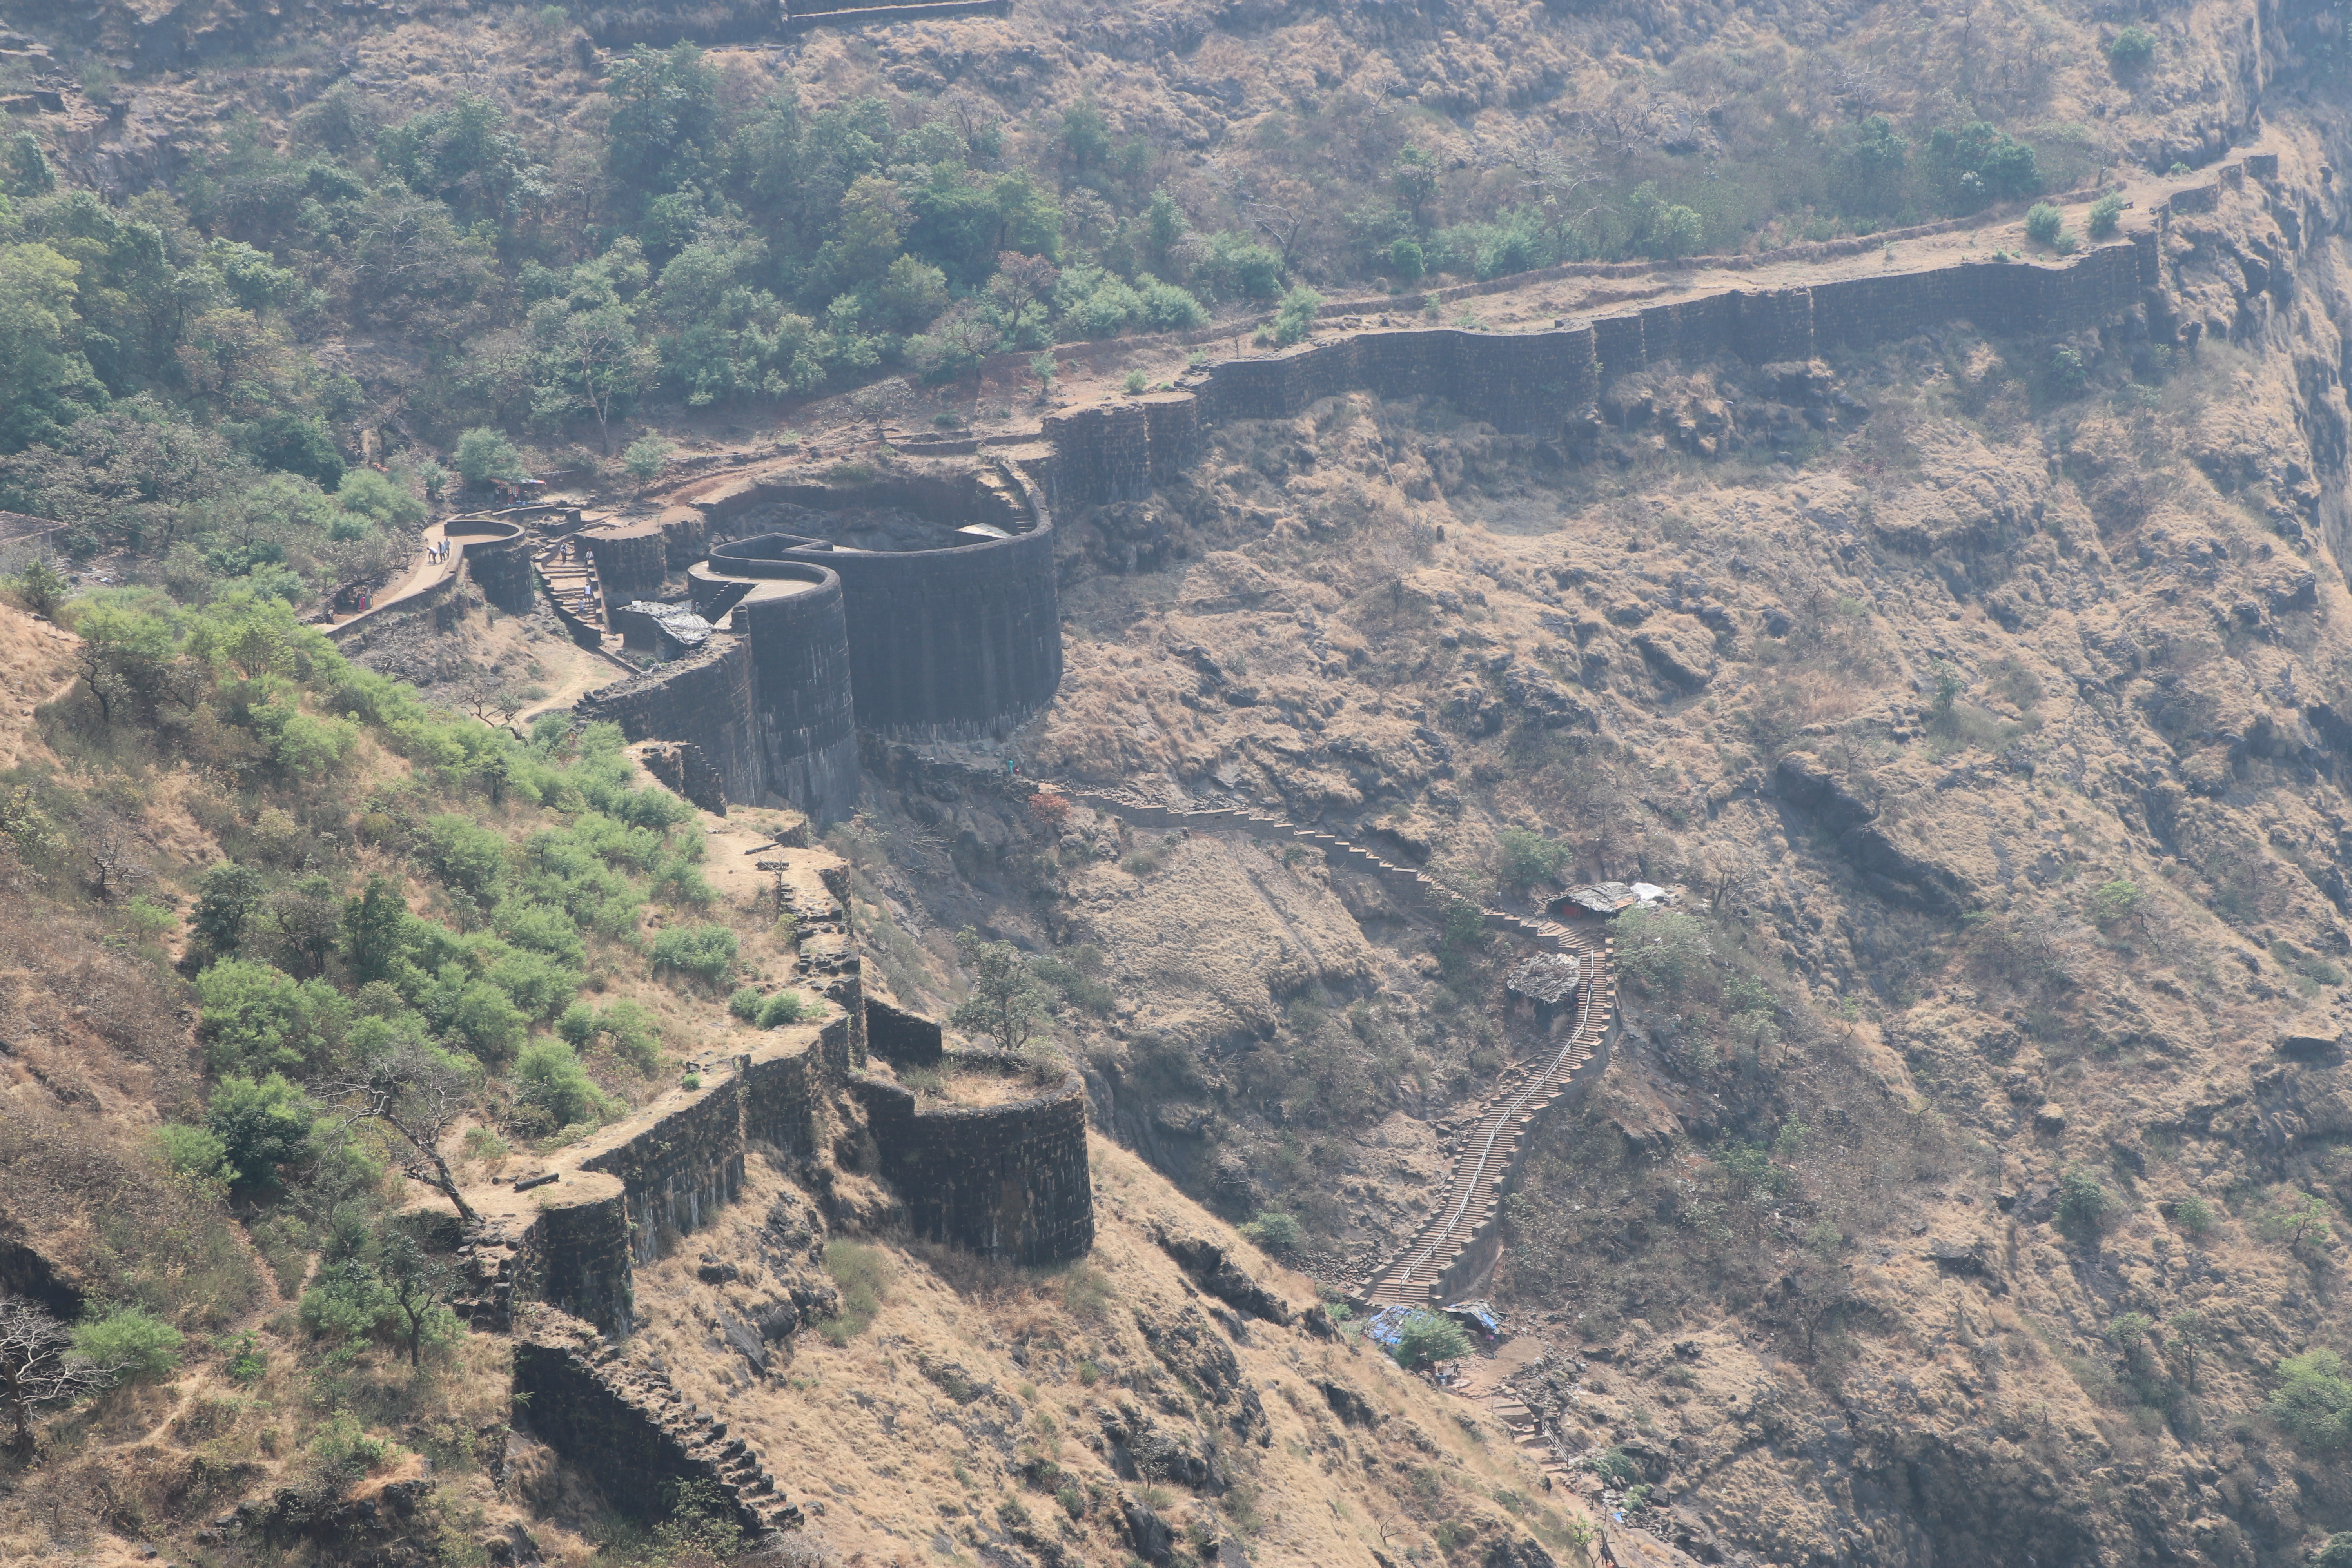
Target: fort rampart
[(1007, 1181)]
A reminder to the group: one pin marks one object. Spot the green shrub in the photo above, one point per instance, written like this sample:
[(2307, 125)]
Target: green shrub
[(2193, 1215), (577, 1025), (1662, 949), (1275, 1230), (1136, 382), (649, 455), (864, 1275), (2106, 215), (1616, 1467), (195, 1152), (2314, 1402), (2131, 49), (636, 1038), (550, 1081), (2084, 1205), (2338, 1552), (261, 1124), (483, 455), (2044, 224), (784, 1008), (1426, 1338), (1296, 318), (142, 1348), (705, 952), (1528, 857), (2114, 900), (1406, 262), (744, 1004)]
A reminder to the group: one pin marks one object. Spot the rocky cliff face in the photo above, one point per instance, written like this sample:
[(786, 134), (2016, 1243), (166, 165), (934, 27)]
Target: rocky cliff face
[(1994, 726)]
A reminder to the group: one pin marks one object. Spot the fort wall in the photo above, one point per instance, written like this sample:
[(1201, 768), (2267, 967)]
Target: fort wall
[(1005, 1181)]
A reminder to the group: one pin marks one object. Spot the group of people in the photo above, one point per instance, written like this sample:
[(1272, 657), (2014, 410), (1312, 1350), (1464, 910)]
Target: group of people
[(436, 553)]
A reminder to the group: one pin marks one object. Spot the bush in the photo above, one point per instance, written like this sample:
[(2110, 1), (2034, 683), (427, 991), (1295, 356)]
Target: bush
[(2114, 900), (1274, 1230), (42, 588), (784, 1008), (2044, 224), (705, 952), (863, 1273), (195, 1152), (142, 1348), (1427, 1337), (1296, 318), (483, 455), (2338, 1552), (636, 1038), (2193, 1215), (261, 1124), (2131, 49), (649, 455), (550, 1081), (2313, 1404), (744, 1004), (2106, 215), (1528, 857), (1406, 262), (368, 494), (2084, 1203), (577, 1025), (1660, 948)]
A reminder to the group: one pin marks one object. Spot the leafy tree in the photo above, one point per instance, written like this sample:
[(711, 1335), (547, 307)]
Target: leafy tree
[(1528, 857), (648, 456), (139, 1347), (365, 494), (1879, 158), (2338, 1552), (226, 896), (391, 1289), (2106, 215), (1007, 1003), (2314, 1401), (2085, 1206), (1426, 1338), (416, 1092), (484, 455), (1086, 135), (665, 119), (550, 1083), (194, 1152), (46, 382), (2131, 49), (261, 1124), (375, 927), (2299, 1220), (705, 952), (1295, 319), (1406, 262), (257, 1019), (2193, 1215), (1415, 176), (466, 855), (464, 155), (1275, 1230), (1662, 949)]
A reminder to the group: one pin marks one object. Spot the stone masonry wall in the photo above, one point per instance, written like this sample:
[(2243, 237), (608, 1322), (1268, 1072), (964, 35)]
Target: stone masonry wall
[(626, 1426), (1005, 1181), (899, 1037), (706, 700), (1541, 383), (681, 1168), (783, 1086)]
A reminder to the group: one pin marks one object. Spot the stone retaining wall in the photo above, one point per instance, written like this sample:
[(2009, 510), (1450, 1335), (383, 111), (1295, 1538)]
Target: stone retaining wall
[(628, 1430), (1005, 1181), (680, 1169), (783, 1087), (901, 1037), (709, 700)]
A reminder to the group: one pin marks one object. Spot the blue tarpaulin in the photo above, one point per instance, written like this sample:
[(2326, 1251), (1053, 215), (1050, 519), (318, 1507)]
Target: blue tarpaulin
[(1479, 1315), (1386, 1327)]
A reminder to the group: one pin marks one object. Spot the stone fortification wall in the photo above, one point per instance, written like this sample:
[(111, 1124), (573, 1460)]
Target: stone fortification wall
[(708, 699), (1006, 1181), (1543, 383), (900, 1037), (783, 1086), (630, 562), (805, 725), (679, 1170), (626, 1426), (498, 557), (958, 643)]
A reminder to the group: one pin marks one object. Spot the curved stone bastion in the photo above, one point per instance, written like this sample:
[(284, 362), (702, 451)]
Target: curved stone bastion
[(918, 605), (498, 557), (1007, 1177)]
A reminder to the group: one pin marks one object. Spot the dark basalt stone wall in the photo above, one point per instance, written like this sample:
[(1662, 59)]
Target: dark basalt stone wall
[(806, 725), (498, 558), (1006, 1181), (901, 1037), (680, 1169), (582, 1261), (708, 699), (629, 565), (782, 1084), (952, 644), (1544, 383)]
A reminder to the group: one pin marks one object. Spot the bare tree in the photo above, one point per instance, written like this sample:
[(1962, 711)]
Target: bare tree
[(418, 1093), (38, 1366), (112, 850)]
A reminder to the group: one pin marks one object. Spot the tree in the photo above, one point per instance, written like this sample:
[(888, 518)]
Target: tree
[(2338, 1552), (43, 588), (2191, 1334), (1296, 318), (648, 456), (418, 1092), (261, 1124), (2301, 1218), (1007, 1003), (484, 454), (2084, 1205), (40, 1365), (2131, 49), (2314, 1401), (1528, 857), (139, 1346), (2106, 215), (418, 1284), (1414, 174), (375, 927), (1426, 1338)]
